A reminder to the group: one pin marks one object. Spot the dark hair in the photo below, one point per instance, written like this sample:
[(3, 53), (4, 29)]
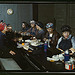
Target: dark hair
[(25, 24), (8, 24), (66, 28), (1, 21), (39, 24)]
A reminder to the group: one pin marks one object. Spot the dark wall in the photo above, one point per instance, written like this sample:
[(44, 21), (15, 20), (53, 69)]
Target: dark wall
[(46, 13), (35, 12), (60, 14), (25, 13), (22, 12), (65, 15)]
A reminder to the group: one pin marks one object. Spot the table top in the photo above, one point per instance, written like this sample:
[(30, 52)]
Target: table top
[(37, 58)]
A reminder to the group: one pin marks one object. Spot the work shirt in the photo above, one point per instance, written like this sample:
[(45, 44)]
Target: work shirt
[(32, 31), (53, 37), (4, 49), (40, 34), (24, 29), (65, 44), (2, 39)]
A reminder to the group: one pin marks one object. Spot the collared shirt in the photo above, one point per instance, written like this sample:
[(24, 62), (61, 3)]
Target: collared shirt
[(72, 41), (3, 47), (40, 34), (41, 31), (1, 38), (32, 31), (3, 43), (24, 29)]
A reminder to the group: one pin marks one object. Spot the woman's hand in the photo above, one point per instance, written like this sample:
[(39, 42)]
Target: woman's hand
[(46, 39), (60, 49), (33, 38), (12, 52), (20, 32), (72, 49), (15, 39), (20, 38)]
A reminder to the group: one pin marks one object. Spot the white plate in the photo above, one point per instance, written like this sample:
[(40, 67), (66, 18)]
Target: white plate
[(33, 44), (49, 59), (28, 41)]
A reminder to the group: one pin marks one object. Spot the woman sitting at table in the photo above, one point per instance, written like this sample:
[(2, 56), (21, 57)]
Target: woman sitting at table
[(33, 31), (2, 22), (9, 31), (24, 27), (3, 29), (52, 35), (9, 50), (66, 41), (40, 34)]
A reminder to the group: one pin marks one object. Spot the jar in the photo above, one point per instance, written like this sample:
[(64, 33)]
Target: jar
[(69, 65)]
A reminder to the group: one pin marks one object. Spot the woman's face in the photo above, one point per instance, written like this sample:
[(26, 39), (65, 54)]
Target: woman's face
[(37, 27), (9, 28), (23, 25), (5, 29), (32, 25), (1, 22), (50, 30), (66, 34)]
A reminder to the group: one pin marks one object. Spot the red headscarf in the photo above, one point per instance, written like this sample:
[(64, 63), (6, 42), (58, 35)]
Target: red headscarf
[(2, 25)]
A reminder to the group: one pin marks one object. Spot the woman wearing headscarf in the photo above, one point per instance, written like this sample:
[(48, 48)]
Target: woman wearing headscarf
[(52, 35), (40, 33)]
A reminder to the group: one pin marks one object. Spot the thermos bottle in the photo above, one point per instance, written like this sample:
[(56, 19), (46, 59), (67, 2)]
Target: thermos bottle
[(45, 46), (66, 55)]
